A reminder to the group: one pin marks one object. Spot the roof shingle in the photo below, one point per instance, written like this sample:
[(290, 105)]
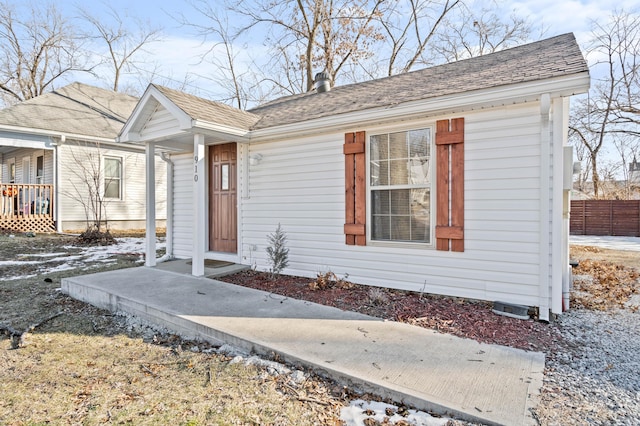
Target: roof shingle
[(75, 109), (553, 57), (206, 110)]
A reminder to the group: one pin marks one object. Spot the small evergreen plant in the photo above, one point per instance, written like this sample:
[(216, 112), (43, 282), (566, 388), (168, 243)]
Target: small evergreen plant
[(277, 251)]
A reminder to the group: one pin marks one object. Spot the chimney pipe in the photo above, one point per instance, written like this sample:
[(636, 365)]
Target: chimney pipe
[(321, 82)]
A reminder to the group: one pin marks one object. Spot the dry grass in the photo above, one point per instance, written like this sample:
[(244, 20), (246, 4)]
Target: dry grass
[(604, 279), (71, 378), (86, 366)]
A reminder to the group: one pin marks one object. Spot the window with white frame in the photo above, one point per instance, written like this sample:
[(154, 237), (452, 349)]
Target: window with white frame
[(400, 186), (112, 177), (40, 169), (12, 170)]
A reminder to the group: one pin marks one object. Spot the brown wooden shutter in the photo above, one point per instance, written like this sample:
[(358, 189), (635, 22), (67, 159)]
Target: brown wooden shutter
[(450, 184), (355, 188)]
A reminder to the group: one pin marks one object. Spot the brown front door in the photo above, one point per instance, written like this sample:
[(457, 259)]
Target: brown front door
[(222, 198)]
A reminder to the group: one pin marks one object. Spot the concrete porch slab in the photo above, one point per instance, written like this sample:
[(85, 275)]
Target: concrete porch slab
[(437, 372)]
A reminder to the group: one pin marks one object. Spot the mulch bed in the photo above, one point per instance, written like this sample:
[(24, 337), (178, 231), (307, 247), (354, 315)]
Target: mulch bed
[(460, 317)]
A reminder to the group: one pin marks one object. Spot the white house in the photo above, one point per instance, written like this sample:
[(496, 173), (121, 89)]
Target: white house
[(451, 180), (58, 148)]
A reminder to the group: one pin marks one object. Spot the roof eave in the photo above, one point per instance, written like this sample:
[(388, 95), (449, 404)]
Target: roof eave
[(54, 133), (563, 86), (130, 130), (220, 131)]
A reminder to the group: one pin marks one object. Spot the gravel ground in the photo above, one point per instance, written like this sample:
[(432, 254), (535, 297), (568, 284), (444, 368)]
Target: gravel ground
[(595, 377)]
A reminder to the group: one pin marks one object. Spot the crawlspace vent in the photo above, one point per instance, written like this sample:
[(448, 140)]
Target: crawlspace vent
[(511, 310)]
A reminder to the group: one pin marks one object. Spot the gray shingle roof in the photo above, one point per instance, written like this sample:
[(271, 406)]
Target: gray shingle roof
[(210, 111), (74, 109), (553, 57)]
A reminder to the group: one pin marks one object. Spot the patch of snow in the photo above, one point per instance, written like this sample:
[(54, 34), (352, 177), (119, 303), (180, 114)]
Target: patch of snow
[(81, 255), (43, 254), (19, 262), (18, 277), (359, 411), (615, 243)]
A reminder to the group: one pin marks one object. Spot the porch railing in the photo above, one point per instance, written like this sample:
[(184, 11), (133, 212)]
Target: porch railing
[(26, 207)]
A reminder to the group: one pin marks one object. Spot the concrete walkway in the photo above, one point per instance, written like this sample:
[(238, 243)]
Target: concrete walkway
[(442, 373)]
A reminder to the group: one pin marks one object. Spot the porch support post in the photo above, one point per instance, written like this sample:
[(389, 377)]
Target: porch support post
[(199, 207), (57, 184), (150, 250)]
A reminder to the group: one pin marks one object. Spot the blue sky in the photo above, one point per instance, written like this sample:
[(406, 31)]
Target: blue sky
[(178, 53)]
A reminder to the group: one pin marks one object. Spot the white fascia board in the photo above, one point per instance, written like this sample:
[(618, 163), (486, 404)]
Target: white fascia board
[(220, 131), (135, 115), (140, 114), (53, 133), (450, 104)]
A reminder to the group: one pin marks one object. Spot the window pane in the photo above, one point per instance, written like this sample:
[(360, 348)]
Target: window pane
[(378, 155), (382, 178), (419, 171), (420, 214), (379, 148), (398, 145), (401, 228), (380, 202), (112, 188), (419, 142), (39, 165), (400, 202), (111, 167), (380, 228), (399, 173)]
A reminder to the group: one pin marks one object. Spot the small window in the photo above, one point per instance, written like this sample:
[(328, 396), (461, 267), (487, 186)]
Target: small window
[(400, 186), (112, 177), (40, 169), (12, 172)]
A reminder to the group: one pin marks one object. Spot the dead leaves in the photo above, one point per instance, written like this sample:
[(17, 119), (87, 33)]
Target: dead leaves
[(603, 285), (330, 280)]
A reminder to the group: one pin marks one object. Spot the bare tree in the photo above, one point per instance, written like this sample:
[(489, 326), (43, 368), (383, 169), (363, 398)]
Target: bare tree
[(410, 29), (238, 84), (627, 146), (124, 41), (624, 33), (349, 40), (95, 179), (37, 48), (473, 33), (302, 36), (611, 109), (86, 184)]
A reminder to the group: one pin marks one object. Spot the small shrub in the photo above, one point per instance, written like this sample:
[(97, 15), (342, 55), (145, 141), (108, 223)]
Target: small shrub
[(93, 236), (328, 280), (378, 296), (277, 251)]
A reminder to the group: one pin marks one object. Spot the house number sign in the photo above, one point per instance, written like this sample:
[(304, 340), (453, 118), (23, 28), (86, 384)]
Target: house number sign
[(195, 168)]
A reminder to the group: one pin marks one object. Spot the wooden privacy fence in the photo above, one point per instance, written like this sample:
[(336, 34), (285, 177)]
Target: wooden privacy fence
[(605, 217)]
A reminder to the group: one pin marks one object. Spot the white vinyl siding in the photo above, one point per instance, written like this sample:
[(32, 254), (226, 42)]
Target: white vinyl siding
[(182, 205), (300, 184), (18, 156), (160, 123), (125, 212)]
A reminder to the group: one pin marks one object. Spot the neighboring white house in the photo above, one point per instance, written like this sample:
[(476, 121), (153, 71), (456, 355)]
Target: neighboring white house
[(451, 180), (57, 148)]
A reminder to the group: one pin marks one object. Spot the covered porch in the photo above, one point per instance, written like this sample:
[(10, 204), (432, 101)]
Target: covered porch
[(183, 129), (26, 207)]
